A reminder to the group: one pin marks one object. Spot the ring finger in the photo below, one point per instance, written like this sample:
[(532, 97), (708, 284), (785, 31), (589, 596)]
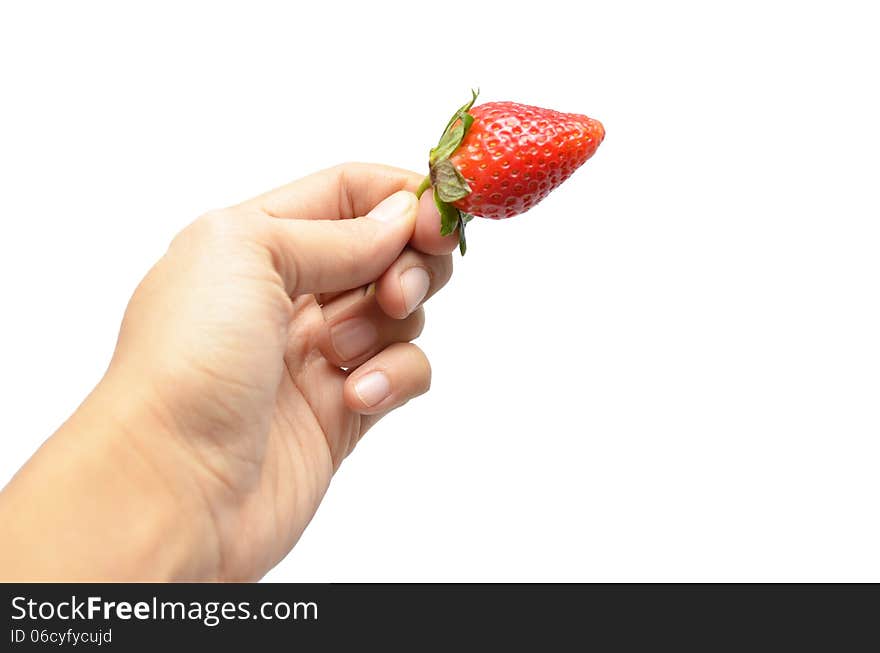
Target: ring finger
[(361, 329)]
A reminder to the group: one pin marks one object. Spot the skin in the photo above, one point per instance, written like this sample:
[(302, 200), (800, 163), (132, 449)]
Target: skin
[(205, 449)]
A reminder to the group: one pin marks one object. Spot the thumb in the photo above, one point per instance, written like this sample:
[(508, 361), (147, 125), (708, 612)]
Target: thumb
[(321, 256)]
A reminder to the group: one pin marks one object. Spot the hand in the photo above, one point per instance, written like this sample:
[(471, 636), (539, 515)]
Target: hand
[(251, 360)]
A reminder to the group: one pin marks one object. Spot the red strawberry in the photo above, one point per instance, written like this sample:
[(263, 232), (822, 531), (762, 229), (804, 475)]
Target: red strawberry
[(499, 159)]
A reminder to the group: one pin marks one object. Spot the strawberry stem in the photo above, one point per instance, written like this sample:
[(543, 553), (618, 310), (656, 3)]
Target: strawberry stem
[(425, 185)]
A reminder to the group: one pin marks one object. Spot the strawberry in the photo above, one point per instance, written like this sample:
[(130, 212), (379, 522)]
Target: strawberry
[(499, 159)]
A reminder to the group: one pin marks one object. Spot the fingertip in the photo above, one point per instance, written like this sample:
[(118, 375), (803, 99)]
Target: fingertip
[(389, 294), (399, 294), (370, 390), (426, 237), (399, 207), (388, 380), (410, 281)]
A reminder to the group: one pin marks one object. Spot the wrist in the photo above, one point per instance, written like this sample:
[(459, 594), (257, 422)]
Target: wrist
[(105, 499)]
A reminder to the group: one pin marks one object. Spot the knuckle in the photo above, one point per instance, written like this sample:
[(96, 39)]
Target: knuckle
[(349, 167), (220, 224), (210, 227)]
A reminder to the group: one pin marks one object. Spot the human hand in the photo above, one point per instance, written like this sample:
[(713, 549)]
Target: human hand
[(226, 402)]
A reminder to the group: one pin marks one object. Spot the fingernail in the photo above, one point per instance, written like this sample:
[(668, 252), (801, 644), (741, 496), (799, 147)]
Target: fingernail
[(373, 388), (394, 207), (353, 338), (414, 284)]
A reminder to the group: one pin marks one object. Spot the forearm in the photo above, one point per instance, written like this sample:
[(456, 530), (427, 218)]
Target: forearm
[(90, 506)]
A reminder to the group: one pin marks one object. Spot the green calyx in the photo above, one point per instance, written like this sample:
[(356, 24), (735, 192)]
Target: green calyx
[(449, 184)]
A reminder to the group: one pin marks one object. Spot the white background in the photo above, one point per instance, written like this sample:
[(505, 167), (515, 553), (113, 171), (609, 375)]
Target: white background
[(670, 370)]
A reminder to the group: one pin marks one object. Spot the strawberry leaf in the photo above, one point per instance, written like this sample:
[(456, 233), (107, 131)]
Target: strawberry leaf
[(454, 132), (448, 181), (448, 144), (462, 242), (462, 111), (449, 184), (449, 215)]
